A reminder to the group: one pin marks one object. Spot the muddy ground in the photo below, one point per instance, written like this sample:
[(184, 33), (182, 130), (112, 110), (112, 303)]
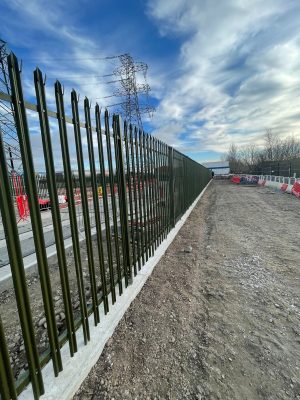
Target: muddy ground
[(219, 317)]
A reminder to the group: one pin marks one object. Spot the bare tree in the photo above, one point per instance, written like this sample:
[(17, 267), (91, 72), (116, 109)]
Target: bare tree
[(233, 157), (247, 158), (290, 148), (280, 149), (271, 145)]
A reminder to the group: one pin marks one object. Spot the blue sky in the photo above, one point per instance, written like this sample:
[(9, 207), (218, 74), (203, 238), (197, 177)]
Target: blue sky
[(220, 71)]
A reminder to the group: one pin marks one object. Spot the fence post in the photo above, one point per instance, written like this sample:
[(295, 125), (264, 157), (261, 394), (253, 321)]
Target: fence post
[(139, 191), (62, 127), (85, 206), (166, 200), (36, 221), (116, 138), (18, 276), (105, 203), (171, 188), (130, 184), (89, 135), (56, 218), (135, 196), (113, 199), (143, 192), (123, 197)]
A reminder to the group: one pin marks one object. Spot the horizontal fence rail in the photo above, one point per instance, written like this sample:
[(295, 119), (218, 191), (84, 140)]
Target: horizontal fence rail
[(120, 193)]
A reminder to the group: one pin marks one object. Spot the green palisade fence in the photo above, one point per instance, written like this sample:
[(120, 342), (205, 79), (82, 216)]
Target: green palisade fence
[(132, 190)]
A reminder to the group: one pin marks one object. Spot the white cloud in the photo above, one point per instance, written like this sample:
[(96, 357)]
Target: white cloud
[(65, 53), (237, 70), (54, 41)]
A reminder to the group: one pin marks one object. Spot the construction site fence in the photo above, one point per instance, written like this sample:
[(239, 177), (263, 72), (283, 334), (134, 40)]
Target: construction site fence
[(150, 185), (18, 188), (289, 168)]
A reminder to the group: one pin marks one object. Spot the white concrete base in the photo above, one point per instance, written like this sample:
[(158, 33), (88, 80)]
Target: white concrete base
[(77, 368)]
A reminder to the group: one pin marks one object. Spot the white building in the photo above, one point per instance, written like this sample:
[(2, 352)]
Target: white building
[(218, 167)]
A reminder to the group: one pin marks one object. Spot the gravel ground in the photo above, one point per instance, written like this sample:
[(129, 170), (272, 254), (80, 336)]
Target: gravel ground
[(219, 317)]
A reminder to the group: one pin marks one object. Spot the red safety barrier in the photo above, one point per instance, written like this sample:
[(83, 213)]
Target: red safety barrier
[(23, 209), (296, 189), (44, 204), (284, 187), (236, 179)]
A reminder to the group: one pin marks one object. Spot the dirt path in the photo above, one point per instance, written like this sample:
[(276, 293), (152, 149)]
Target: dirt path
[(219, 317)]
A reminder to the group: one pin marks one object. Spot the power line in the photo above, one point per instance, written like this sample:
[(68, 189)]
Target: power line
[(70, 77), (70, 58)]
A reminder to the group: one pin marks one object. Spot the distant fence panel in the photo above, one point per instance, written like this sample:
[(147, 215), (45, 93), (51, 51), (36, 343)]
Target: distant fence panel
[(124, 198), (279, 168)]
